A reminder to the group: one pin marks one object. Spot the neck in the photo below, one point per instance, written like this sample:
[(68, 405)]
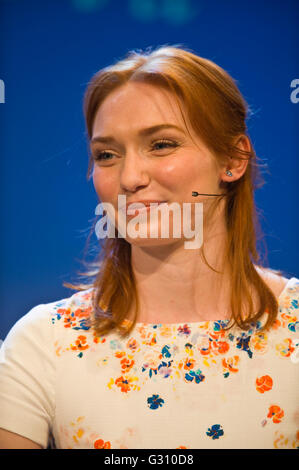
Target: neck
[(175, 284)]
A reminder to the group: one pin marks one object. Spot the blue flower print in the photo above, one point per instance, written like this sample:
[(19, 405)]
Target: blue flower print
[(215, 431), (165, 351), (193, 375), (243, 344), (294, 326), (154, 402), (165, 369), (219, 325)]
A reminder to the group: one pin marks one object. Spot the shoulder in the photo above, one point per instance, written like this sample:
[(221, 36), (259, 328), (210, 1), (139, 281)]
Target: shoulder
[(73, 312), (274, 279), (37, 324)]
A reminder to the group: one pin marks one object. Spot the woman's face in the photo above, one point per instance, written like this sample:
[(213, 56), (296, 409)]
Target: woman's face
[(143, 164)]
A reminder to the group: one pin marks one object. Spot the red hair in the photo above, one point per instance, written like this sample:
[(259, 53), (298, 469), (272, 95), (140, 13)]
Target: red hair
[(217, 112)]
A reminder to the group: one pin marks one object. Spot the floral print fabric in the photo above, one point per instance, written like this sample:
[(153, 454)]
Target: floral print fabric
[(172, 386)]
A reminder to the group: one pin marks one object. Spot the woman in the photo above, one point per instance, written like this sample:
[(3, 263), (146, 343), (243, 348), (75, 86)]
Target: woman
[(167, 347)]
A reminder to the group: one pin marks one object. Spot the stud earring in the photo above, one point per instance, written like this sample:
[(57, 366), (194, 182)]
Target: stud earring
[(229, 173)]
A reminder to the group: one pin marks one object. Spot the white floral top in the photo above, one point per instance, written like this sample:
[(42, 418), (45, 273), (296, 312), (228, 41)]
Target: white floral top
[(171, 386)]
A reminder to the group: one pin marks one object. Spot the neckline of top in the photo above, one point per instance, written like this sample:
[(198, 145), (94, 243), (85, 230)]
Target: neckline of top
[(226, 320)]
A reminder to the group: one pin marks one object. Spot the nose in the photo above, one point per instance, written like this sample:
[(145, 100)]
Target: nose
[(134, 172)]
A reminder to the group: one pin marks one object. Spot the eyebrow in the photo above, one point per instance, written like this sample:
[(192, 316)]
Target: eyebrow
[(143, 132)]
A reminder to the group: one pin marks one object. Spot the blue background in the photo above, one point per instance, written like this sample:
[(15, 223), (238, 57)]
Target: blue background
[(48, 52)]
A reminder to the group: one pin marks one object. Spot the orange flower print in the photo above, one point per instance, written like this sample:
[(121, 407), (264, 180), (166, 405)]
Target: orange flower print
[(126, 364), (143, 332), (69, 321), (132, 344), (275, 413), (83, 313), (229, 365), (189, 363), (286, 319), (123, 383), (222, 347), (152, 341), (285, 348), (259, 342), (276, 324), (80, 344), (126, 384), (72, 317), (120, 354), (100, 444), (166, 331), (97, 339), (283, 442), (264, 383), (64, 311)]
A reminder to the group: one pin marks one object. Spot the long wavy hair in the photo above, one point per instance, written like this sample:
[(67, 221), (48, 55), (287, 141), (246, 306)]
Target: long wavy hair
[(217, 112)]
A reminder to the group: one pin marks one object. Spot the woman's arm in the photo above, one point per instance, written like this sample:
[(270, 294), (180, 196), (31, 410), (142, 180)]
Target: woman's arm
[(11, 440)]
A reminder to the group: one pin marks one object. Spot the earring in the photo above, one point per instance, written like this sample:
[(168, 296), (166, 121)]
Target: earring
[(229, 173)]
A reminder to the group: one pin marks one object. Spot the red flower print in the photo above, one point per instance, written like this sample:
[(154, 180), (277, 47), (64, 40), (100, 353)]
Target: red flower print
[(264, 383), (276, 413), (100, 444)]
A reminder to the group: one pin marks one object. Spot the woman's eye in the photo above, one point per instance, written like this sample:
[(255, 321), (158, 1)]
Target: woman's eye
[(100, 156), (160, 144)]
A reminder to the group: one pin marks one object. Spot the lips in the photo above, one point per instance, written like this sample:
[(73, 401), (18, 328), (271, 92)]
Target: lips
[(142, 206)]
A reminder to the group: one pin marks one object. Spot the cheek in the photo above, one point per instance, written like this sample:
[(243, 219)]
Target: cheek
[(174, 174), (104, 184)]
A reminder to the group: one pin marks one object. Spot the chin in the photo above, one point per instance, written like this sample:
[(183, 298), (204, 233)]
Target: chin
[(148, 242)]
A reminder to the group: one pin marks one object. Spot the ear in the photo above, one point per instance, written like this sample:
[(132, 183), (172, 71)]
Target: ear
[(237, 166)]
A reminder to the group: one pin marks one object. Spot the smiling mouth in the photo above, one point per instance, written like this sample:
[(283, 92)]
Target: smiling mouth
[(136, 208)]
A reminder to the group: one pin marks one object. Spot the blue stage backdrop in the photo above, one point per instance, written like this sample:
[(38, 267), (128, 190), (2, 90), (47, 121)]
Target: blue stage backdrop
[(49, 51)]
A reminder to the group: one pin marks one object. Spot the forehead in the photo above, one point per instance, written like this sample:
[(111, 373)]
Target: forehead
[(138, 105)]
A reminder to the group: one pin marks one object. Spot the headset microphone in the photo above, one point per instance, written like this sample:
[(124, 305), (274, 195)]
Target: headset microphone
[(195, 193)]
